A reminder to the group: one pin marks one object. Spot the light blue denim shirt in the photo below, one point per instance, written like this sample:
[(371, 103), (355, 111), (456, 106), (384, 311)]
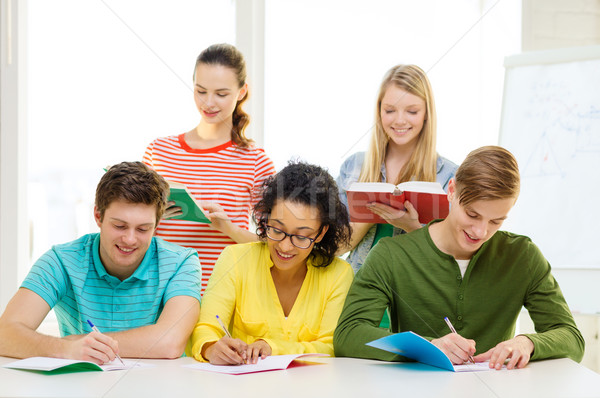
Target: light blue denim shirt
[(349, 173)]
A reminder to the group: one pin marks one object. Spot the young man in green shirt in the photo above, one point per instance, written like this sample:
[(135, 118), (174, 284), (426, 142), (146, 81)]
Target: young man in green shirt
[(465, 269)]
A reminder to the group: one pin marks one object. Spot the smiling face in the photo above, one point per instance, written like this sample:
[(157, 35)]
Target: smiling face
[(125, 234), (402, 116), (470, 226), (296, 219), (216, 92)]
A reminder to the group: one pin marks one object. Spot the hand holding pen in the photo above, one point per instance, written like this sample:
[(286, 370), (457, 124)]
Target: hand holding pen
[(258, 349), (455, 332), (458, 349), (243, 354), (95, 329), (227, 350)]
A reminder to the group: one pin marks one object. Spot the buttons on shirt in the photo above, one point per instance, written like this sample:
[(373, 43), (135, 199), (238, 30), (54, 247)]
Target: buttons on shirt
[(459, 317)]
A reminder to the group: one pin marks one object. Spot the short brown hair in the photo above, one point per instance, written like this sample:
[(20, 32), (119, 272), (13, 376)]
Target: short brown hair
[(488, 173), (133, 182)]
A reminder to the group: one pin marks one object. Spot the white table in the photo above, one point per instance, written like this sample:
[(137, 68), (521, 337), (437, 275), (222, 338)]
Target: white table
[(334, 377)]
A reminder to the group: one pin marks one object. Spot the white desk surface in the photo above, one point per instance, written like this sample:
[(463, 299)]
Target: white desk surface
[(333, 377)]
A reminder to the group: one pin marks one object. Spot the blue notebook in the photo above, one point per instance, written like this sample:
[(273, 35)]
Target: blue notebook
[(413, 346)]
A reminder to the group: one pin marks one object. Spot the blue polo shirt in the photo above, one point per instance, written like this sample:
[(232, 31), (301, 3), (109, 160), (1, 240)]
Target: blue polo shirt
[(71, 278)]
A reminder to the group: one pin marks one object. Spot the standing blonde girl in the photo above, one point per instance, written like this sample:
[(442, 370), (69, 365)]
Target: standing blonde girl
[(402, 149)]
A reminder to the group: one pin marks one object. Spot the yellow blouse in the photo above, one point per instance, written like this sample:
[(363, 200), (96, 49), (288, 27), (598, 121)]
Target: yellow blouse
[(241, 291)]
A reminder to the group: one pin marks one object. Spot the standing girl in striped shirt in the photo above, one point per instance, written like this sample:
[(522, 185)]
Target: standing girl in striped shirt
[(215, 160)]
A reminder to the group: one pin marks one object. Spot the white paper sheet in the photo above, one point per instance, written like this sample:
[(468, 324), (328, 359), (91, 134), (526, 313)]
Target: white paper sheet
[(476, 367), (273, 362), (49, 364)]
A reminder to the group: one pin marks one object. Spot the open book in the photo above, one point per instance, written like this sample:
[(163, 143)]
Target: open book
[(413, 346), (60, 365), (191, 209), (272, 362), (428, 198)]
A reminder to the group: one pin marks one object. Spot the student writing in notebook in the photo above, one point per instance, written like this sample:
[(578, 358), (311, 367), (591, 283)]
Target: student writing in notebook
[(402, 148), (465, 269), (141, 292), (216, 161), (284, 294)]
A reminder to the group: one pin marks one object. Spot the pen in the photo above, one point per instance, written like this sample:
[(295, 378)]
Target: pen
[(454, 331), (95, 329), (223, 327), (226, 331)]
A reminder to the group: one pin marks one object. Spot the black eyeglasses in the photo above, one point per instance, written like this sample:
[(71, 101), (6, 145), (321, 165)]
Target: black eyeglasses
[(300, 241)]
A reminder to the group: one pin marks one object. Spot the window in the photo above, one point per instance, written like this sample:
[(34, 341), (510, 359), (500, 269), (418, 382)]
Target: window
[(105, 79)]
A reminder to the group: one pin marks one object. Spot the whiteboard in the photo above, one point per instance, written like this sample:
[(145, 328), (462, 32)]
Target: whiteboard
[(551, 123)]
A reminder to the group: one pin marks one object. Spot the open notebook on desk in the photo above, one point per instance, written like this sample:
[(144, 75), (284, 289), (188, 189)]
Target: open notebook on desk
[(273, 362), (60, 365), (413, 346)]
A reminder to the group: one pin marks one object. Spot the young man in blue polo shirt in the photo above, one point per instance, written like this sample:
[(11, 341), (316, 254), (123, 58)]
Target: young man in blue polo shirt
[(141, 292)]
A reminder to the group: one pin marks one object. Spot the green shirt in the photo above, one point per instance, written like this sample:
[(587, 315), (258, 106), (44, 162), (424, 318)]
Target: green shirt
[(421, 285)]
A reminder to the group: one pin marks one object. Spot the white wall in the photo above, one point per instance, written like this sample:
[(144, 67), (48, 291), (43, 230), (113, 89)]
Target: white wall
[(558, 23), (325, 61), (13, 151)]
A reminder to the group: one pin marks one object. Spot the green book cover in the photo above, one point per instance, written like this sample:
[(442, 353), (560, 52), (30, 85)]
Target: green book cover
[(60, 365), (189, 206)]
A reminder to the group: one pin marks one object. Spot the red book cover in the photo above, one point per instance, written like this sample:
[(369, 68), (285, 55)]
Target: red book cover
[(428, 198)]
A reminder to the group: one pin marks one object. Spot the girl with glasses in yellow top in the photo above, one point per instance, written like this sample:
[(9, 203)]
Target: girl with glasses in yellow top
[(284, 294)]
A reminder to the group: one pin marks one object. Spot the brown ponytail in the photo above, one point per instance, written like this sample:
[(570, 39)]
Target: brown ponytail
[(240, 121)]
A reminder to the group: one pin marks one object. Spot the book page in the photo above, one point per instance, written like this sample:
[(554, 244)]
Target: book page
[(273, 362), (476, 367), (422, 186), (372, 187), (129, 364)]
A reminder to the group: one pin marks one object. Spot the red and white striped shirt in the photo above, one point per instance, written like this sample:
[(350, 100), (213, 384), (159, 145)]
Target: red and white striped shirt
[(226, 174)]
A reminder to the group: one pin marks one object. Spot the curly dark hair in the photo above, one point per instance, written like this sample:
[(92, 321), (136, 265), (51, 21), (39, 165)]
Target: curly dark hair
[(311, 185)]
